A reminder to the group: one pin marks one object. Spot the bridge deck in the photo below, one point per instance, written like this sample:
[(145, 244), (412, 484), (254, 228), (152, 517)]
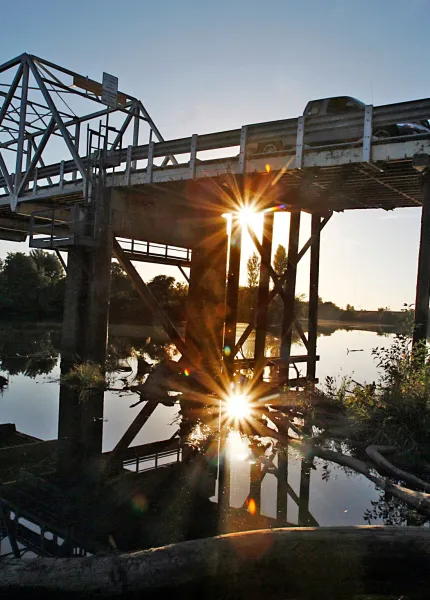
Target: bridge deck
[(365, 173)]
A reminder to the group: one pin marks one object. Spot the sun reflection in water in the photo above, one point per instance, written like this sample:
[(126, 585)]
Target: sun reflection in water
[(238, 407)]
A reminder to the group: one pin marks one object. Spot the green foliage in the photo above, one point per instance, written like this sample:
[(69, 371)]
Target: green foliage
[(253, 268), (85, 378), (31, 285), (280, 260), (395, 410), (47, 264), (29, 351)]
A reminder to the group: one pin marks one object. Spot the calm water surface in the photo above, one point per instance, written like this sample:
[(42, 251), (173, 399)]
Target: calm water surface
[(336, 497)]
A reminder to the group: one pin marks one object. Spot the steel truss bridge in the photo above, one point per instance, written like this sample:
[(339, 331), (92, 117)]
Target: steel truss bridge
[(101, 181)]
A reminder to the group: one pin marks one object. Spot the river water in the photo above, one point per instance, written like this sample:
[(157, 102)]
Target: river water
[(336, 496)]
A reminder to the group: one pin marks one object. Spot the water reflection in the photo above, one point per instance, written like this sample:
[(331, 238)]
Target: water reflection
[(32, 352), (174, 466)]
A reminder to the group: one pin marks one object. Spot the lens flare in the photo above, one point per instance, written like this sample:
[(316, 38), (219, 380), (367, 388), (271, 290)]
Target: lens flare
[(252, 506), (247, 216), (238, 407), (139, 503)]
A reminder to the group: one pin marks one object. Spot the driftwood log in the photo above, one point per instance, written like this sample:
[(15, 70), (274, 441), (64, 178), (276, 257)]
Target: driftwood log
[(417, 500), (332, 562)]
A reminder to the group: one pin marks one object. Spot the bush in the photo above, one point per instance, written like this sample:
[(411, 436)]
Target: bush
[(395, 410)]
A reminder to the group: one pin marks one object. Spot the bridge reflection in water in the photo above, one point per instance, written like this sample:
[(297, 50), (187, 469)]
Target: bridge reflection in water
[(160, 493)]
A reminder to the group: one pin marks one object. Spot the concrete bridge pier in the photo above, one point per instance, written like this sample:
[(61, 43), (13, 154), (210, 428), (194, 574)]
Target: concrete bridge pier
[(85, 327)]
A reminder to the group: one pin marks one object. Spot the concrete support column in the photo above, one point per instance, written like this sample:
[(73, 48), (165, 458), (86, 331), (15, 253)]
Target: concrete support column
[(85, 327), (204, 333), (423, 275)]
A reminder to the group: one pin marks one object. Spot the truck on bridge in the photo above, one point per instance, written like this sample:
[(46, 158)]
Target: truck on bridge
[(336, 106)]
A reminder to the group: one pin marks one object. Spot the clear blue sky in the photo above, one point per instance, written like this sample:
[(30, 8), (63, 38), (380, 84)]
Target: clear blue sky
[(201, 67)]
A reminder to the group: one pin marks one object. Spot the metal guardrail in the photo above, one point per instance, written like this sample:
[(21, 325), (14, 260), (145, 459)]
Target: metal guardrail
[(154, 252), (301, 130), (59, 227), (153, 461)]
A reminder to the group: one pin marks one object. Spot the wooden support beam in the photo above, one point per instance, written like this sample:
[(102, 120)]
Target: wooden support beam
[(146, 295), (263, 292), (60, 258), (186, 277), (290, 290), (224, 472), (115, 456), (313, 296), (305, 483), (423, 276), (282, 487), (277, 281), (232, 296), (275, 290), (255, 485)]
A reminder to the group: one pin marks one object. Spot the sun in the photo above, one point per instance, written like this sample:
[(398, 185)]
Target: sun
[(247, 216), (238, 407)]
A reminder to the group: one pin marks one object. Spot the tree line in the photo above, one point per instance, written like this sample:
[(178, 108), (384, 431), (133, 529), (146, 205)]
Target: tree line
[(32, 288)]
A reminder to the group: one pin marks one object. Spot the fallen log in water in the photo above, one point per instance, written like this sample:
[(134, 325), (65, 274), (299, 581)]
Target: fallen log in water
[(332, 562)]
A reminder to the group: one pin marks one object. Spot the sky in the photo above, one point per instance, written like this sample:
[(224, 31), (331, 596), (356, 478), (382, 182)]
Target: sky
[(200, 67)]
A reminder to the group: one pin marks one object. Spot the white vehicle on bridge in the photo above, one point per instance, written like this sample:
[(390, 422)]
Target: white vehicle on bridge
[(339, 106)]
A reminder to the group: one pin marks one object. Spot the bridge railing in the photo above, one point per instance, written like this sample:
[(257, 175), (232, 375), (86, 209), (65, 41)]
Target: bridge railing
[(302, 135)]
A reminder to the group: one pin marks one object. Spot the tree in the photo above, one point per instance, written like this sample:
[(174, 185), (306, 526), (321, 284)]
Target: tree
[(47, 264), (350, 313), (162, 287), (253, 266), (120, 286), (280, 260), (21, 284)]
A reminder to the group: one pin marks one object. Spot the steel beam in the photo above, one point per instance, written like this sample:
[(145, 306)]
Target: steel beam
[(60, 123), (21, 132), (7, 178), (11, 93), (36, 158)]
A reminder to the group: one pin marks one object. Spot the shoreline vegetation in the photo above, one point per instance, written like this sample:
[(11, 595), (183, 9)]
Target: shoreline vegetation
[(32, 290)]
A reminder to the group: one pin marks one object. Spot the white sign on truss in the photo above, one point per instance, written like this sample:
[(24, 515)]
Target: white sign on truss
[(110, 90)]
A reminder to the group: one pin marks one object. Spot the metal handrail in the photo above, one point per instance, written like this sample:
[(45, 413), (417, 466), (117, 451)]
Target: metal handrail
[(153, 458)]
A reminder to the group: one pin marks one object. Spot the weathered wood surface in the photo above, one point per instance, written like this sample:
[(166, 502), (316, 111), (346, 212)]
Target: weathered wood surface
[(332, 562)]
